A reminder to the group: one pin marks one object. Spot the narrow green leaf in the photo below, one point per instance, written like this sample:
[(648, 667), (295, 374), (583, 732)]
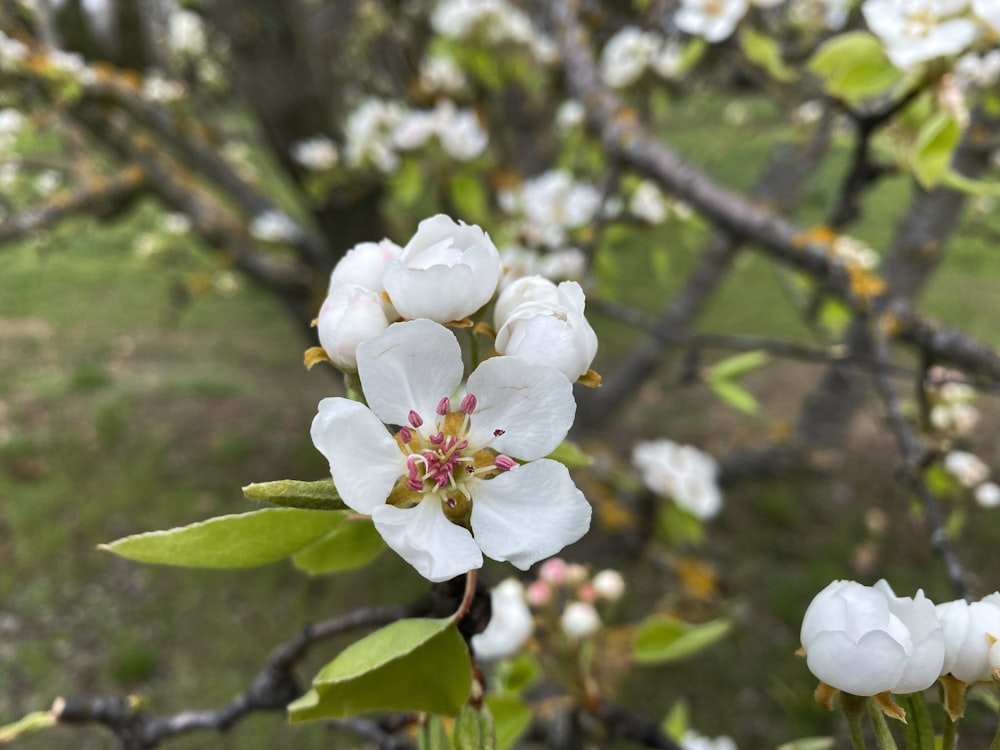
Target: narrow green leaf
[(349, 545), (734, 395), (292, 493), (810, 743), (935, 144), (33, 722), (764, 51), (738, 365), (957, 181), (677, 722), (854, 66), (661, 639), (570, 455), (237, 541), (475, 729), (410, 665), (511, 716)]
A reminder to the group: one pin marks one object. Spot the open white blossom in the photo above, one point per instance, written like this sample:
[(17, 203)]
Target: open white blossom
[(491, 22), (712, 20), (447, 476), (552, 204), (510, 623), (316, 154), (978, 71), (691, 740), (648, 203), (369, 132), (681, 472), (967, 468), (458, 130), (914, 31), (441, 75), (627, 54), (274, 226), (446, 272)]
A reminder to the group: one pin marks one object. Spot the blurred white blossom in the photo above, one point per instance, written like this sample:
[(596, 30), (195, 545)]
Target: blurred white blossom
[(317, 153), (510, 623), (681, 472), (713, 20), (914, 31)]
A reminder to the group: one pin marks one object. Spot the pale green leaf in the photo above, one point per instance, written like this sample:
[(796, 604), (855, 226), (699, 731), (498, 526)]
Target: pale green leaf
[(661, 638), (734, 395), (810, 743), (474, 729), (352, 544), (469, 197), (677, 722), (935, 144), (738, 365), (763, 50), (33, 722), (854, 66), (408, 182), (292, 493), (511, 716), (957, 181), (570, 455), (237, 541), (410, 665)]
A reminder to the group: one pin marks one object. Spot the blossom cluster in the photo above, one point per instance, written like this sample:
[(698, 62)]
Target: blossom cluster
[(563, 594), (681, 472), (451, 468), (866, 641)]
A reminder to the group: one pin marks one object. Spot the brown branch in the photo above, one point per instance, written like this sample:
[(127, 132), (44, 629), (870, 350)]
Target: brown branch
[(95, 196), (272, 689)]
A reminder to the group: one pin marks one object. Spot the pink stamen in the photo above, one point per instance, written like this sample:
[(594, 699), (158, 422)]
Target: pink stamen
[(504, 463), (405, 435), (437, 439), (451, 502), (468, 403), (444, 406), (415, 419)]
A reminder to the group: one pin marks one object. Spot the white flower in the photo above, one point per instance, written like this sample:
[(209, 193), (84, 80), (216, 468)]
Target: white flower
[(10, 120), (668, 61), (627, 54), (552, 203), (681, 472), (442, 489), (987, 494), (580, 620), (176, 223), (691, 740), (186, 34), (350, 315), (647, 203), (988, 11), (461, 135), (364, 265), (446, 272), (856, 642), (156, 88), (274, 226), (914, 31), (974, 71), (968, 630), (369, 131), (440, 74), (569, 115), (550, 329), (510, 623), (316, 154), (534, 288), (609, 585), (713, 20), (966, 467)]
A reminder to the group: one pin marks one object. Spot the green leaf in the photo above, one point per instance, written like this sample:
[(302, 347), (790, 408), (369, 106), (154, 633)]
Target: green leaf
[(349, 545), (475, 729), (661, 639), (31, 723), (854, 66), (408, 182), (511, 716), (410, 665), (957, 181), (677, 722), (810, 743), (932, 152), (237, 541), (570, 455), (291, 493), (735, 395), (469, 197), (738, 365), (764, 51), (518, 673)]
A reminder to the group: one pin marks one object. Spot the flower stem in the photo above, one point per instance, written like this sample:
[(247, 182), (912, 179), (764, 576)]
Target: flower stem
[(857, 735), (949, 737), (995, 745), (470, 592), (883, 737)]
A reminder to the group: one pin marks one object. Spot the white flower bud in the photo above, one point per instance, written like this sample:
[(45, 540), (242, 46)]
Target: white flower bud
[(966, 467), (580, 620), (349, 316), (510, 624), (987, 494), (446, 272), (557, 334), (364, 265), (968, 629), (526, 289), (609, 585)]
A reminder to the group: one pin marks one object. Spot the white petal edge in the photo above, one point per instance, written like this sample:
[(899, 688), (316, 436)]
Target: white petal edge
[(365, 460), (422, 535), (411, 365), (872, 665), (528, 513), (532, 404)]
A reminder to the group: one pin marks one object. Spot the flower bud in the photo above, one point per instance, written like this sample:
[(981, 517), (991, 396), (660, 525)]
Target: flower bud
[(609, 585), (510, 624), (349, 316), (580, 620), (968, 630)]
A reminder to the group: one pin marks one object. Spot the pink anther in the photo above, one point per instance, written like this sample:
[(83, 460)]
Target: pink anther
[(468, 403), (415, 419), (504, 463), (444, 406)]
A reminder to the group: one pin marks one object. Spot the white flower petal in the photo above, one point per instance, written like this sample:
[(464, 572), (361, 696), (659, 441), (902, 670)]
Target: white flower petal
[(532, 404), (411, 365), (872, 665), (365, 460), (528, 513), (427, 540)]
